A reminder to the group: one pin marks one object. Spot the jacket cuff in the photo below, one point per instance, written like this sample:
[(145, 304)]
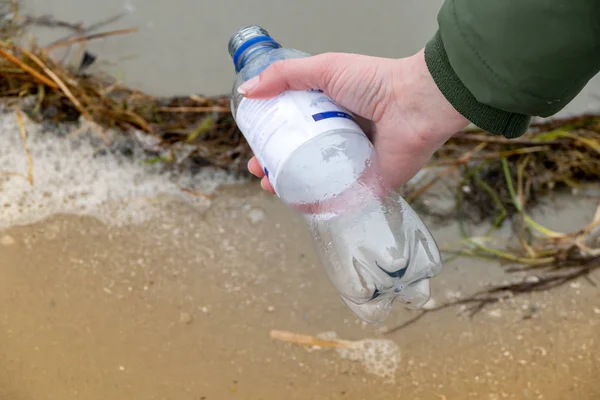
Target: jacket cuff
[(490, 119)]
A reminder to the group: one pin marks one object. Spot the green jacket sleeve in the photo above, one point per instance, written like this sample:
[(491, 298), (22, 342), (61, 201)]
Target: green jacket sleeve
[(501, 62)]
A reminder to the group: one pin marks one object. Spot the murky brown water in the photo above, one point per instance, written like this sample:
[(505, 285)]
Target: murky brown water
[(181, 306)]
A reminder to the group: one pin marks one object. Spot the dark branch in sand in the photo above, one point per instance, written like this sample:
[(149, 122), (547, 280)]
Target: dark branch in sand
[(478, 301)]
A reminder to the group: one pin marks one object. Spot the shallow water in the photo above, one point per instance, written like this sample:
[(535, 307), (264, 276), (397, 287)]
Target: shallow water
[(181, 45), (175, 296)]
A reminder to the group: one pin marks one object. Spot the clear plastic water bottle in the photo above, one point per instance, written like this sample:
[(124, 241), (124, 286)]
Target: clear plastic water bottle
[(371, 243)]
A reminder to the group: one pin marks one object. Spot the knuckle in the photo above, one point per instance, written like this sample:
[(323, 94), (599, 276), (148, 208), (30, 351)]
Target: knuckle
[(275, 70), (327, 64), (328, 70), (278, 72), (280, 67)]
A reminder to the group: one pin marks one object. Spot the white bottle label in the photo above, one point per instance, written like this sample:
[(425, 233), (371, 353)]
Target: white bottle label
[(274, 128)]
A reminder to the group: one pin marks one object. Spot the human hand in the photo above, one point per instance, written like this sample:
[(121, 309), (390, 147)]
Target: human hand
[(396, 101)]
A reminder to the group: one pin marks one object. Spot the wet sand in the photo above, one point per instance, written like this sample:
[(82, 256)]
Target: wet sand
[(178, 303), (181, 307)]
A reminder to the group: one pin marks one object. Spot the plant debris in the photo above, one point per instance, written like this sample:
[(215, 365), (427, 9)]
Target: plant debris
[(551, 156), (192, 128), (311, 341), (550, 261), (24, 139)]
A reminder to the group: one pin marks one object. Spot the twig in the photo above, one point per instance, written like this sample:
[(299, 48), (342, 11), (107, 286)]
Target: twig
[(35, 74), (11, 173), (48, 21), (60, 84), (24, 139), (480, 300), (508, 256), (465, 158), (498, 155), (82, 31), (590, 143), (500, 218), (307, 340), (90, 37), (519, 207), (193, 109), (197, 194)]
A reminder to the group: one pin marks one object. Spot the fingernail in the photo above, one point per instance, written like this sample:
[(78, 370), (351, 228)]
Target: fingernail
[(248, 86)]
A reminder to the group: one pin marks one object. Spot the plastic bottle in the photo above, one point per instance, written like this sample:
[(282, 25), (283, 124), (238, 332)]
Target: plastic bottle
[(372, 245)]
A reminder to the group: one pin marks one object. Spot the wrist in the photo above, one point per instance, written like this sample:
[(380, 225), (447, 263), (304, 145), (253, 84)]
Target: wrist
[(433, 118)]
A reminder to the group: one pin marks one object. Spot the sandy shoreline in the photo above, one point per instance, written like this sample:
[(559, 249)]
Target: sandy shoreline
[(174, 296)]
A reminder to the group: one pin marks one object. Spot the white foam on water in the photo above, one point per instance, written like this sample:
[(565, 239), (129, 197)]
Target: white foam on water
[(71, 178), (380, 357)]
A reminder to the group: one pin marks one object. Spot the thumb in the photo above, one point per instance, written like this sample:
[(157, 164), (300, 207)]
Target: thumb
[(314, 72)]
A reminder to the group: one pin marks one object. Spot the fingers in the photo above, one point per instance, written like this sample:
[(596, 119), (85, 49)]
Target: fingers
[(313, 72), (255, 169), (266, 185), (361, 84)]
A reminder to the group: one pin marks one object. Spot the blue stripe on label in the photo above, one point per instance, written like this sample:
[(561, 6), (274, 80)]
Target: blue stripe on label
[(332, 114)]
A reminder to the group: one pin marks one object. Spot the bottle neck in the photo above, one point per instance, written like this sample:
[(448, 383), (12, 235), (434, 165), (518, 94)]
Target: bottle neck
[(254, 51)]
